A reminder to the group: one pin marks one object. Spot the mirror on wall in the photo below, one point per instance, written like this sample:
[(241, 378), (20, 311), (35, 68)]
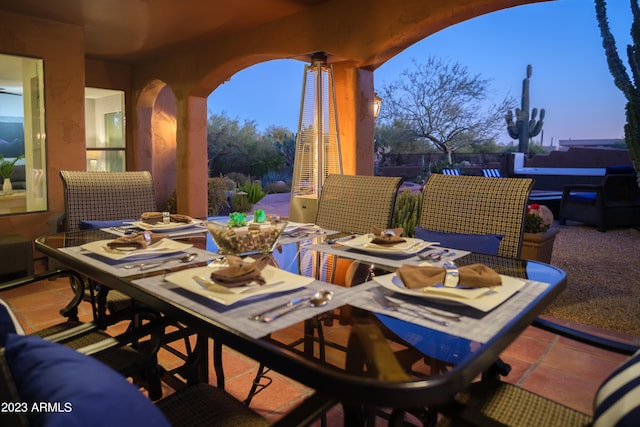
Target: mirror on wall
[(22, 135)]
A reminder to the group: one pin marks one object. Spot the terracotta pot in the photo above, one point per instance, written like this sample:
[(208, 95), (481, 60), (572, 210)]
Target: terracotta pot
[(539, 246)]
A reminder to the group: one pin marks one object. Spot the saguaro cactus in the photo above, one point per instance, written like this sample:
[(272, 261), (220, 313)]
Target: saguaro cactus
[(627, 84), (524, 128)]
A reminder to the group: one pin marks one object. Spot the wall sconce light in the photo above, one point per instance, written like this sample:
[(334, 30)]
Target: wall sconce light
[(377, 105)]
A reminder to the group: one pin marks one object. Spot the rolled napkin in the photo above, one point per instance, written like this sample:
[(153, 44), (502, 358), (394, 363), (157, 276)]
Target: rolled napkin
[(136, 241), (471, 276), (240, 273), (156, 217), (384, 236)]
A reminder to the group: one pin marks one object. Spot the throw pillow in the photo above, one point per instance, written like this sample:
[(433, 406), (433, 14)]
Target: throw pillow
[(617, 402), (8, 322), (67, 388), (479, 243), (86, 224)]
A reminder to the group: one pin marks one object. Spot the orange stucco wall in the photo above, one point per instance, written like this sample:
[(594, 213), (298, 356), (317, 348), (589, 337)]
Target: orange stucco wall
[(61, 46)]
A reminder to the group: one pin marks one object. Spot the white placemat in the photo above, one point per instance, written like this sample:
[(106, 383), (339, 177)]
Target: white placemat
[(197, 228), (473, 324), (387, 260), (117, 267), (237, 316)]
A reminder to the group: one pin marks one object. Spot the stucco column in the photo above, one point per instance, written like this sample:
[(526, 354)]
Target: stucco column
[(191, 156), (354, 96)]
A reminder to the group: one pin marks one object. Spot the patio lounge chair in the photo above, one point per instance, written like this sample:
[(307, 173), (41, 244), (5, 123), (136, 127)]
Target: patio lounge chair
[(614, 202)]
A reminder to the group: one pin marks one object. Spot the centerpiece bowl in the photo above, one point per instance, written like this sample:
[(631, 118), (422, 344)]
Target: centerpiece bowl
[(252, 238)]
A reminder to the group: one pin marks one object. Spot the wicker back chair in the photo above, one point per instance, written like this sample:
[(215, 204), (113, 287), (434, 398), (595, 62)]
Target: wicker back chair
[(355, 203), (118, 351), (477, 205), (494, 402), (103, 196)]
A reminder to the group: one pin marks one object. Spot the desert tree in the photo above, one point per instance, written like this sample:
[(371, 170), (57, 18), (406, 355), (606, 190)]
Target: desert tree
[(444, 104)]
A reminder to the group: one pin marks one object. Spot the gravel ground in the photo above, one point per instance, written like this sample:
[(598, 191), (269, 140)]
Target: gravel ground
[(603, 272)]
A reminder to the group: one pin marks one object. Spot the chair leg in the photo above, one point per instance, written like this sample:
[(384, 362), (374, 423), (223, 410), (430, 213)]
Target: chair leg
[(498, 369), (257, 385)]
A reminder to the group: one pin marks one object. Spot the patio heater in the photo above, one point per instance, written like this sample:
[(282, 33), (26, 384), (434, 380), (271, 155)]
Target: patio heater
[(318, 144)]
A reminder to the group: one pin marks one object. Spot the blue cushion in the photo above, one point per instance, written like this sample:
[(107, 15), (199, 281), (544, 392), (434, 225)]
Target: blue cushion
[(620, 170), (8, 323), (88, 392), (480, 243), (586, 197), (617, 402), (86, 224)]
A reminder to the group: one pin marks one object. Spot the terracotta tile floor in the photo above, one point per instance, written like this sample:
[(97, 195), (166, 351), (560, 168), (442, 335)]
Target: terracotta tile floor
[(554, 367)]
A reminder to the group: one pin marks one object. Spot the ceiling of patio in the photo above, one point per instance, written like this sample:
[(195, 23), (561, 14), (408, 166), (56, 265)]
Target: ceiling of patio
[(130, 30), (124, 29)]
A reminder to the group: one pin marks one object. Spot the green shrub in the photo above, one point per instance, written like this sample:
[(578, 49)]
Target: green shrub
[(405, 212), (240, 203), (217, 196), (172, 202), (442, 164), (217, 201), (254, 191)]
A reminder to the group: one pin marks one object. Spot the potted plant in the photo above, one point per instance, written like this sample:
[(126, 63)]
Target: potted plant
[(539, 234), (6, 170)]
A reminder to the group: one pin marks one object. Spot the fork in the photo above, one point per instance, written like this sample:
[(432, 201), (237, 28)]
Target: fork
[(436, 256), (388, 303)]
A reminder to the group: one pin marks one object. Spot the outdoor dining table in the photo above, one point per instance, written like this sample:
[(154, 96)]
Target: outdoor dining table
[(292, 344)]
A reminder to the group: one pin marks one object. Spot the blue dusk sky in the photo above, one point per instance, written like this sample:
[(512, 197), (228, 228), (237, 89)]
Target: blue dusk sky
[(560, 39)]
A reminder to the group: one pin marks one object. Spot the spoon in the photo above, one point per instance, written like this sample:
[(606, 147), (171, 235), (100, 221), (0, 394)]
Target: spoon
[(319, 299), (184, 258)]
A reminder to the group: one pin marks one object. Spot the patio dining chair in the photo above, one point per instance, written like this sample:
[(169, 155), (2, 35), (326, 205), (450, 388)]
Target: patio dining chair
[(493, 402), (92, 198), (475, 207), (349, 204), (132, 353), (100, 199), (354, 204)]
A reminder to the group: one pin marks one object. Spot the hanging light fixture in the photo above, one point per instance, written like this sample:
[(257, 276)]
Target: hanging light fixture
[(377, 105), (317, 144)]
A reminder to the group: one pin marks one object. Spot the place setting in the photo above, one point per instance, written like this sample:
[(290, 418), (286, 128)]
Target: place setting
[(233, 279), (386, 247), (140, 253), (476, 285), (460, 310), (247, 293), (174, 225)]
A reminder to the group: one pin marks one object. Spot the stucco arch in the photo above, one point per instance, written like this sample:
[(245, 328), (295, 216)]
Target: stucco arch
[(156, 140)]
